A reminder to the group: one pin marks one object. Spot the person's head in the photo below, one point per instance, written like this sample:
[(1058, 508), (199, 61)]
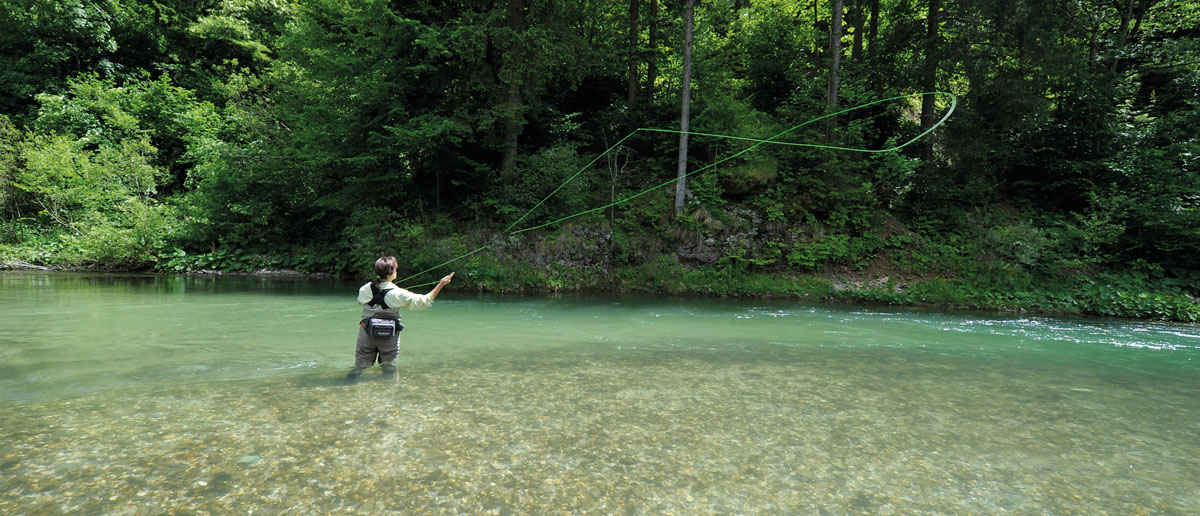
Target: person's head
[(385, 269)]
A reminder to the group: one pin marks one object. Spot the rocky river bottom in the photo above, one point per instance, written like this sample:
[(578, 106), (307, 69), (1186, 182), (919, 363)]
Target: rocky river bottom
[(723, 431)]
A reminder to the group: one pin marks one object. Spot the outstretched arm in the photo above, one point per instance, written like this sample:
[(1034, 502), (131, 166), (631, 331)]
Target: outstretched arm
[(445, 281)]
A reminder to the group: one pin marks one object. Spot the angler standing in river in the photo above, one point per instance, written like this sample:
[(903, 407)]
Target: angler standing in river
[(379, 331)]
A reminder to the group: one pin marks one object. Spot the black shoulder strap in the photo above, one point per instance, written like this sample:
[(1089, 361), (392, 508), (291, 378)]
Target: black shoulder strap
[(377, 296)]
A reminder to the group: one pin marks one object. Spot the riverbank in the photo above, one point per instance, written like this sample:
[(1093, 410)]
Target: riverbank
[(887, 265), (1104, 294), (1130, 295)]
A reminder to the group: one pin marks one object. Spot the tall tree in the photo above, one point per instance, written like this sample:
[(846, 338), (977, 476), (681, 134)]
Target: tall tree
[(689, 15), (873, 32), (513, 124), (652, 52), (835, 51), (1123, 32), (929, 77), (858, 20), (631, 81)]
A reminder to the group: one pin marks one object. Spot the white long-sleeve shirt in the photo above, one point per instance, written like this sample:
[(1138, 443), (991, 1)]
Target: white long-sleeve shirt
[(396, 298)]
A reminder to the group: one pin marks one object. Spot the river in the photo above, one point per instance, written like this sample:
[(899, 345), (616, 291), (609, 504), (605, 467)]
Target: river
[(140, 394)]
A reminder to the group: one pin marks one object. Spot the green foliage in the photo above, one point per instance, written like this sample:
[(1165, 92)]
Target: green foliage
[(537, 176), (241, 30), (74, 186), (1134, 294), (1140, 294), (224, 260), (1020, 244), (101, 114), (102, 197), (135, 237), (45, 42), (92, 169), (10, 164), (664, 276), (318, 134), (1154, 196), (485, 272), (834, 249)]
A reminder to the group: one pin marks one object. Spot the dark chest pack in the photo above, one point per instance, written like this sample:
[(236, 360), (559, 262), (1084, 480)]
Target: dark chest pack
[(380, 327)]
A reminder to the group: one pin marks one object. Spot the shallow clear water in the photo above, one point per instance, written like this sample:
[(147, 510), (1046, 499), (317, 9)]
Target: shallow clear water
[(151, 395)]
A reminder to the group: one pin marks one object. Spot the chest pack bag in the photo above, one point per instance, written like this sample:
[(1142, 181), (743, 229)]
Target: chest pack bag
[(380, 327)]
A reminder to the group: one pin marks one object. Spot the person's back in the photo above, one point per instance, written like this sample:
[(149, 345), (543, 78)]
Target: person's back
[(379, 329)]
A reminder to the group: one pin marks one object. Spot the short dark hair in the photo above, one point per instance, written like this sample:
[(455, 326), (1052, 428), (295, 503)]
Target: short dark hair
[(384, 267)]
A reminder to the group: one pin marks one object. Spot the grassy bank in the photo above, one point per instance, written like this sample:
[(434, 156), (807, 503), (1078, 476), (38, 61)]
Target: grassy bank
[(586, 259), (1130, 295)]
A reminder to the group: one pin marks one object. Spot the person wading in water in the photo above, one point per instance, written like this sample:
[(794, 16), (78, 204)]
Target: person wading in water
[(379, 330)]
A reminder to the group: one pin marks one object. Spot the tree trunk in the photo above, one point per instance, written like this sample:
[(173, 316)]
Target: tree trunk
[(859, 22), (512, 134), (685, 110), (835, 50), (1094, 47), (1122, 33), (512, 100), (874, 32), (631, 82), (816, 25), (652, 56), (1143, 5), (929, 78)]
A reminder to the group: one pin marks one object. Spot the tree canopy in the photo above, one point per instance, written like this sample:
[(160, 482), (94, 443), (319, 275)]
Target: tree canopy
[(318, 133)]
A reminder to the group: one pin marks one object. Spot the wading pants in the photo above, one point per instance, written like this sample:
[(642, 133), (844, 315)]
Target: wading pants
[(368, 349)]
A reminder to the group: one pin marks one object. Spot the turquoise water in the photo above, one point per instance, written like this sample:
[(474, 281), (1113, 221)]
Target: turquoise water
[(157, 394)]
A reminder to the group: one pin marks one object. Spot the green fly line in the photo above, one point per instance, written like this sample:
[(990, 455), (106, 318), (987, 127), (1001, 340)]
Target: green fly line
[(773, 140)]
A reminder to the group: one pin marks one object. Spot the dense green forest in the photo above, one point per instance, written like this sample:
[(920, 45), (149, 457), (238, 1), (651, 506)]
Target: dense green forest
[(315, 135)]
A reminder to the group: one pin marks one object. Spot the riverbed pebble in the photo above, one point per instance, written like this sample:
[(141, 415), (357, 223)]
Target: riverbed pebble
[(660, 433)]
